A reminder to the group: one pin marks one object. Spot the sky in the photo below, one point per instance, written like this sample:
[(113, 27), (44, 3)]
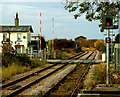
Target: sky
[(65, 26)]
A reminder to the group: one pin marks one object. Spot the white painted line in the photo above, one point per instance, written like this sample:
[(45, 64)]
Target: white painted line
[(79, 95)]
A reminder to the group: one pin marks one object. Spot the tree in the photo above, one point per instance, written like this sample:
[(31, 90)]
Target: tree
[(93, 10), (80, 37), (81, 41), (63, 43), (91, 42), (99, 45), (7, 47)]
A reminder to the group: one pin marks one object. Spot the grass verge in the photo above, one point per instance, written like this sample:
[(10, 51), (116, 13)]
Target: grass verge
[(18, 64)]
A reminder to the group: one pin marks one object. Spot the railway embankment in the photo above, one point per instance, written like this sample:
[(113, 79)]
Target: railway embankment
[(95, 81), (94, 76), (114, 83), (42, 80), (17, 77)]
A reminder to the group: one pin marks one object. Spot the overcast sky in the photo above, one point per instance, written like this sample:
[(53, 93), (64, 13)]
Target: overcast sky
[(65, 26)]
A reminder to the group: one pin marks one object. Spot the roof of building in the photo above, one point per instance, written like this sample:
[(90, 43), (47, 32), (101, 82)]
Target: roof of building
[(35, 35), (25, 28)]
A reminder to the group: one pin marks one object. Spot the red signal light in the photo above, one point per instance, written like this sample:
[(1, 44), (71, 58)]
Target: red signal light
[(108, 24)]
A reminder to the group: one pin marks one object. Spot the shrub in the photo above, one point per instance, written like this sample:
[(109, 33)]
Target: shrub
[(14, 64), (25, 60), (8, 59), (13, 69)]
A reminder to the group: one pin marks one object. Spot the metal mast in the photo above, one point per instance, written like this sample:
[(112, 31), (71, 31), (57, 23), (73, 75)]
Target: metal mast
[(108, 63), (53, 35), (40, 32)]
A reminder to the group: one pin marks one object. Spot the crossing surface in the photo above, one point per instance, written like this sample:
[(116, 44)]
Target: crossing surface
[(74, 61)]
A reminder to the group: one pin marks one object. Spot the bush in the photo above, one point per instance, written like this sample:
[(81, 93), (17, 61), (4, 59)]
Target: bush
[(87, 46), (37, 62), (25, 60), (15, 64), (103, 49), (8, 59)]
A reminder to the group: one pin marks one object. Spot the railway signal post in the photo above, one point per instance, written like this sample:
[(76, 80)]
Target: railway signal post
[(108, 58), (108, 24)]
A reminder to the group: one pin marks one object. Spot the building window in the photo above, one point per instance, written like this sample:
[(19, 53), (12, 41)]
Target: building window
[(4, 37), (19, 37), (30, 50)]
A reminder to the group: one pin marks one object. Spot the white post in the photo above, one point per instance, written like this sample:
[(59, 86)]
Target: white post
[(107, 67)]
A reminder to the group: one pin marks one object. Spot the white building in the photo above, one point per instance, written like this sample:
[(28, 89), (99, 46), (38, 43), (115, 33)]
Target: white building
[(35, 37), (35, 40), (18, 35)]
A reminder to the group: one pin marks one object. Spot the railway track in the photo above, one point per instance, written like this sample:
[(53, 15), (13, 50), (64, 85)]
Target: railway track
[(20, 85), (17, 86), (86, 56), (77, 55), (80, 55), (77, 87), (70, 85)]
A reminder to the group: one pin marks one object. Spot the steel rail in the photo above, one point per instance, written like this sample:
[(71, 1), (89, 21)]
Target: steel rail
[(31, 74), (81, 78), (34, 82), (25, 77), (17, 91), (69, 73)]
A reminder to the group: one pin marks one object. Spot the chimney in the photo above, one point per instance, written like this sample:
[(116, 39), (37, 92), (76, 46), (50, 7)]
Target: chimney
[(16, 20)]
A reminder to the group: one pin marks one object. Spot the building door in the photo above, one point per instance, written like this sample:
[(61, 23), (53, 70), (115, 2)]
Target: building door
[(19, 50)]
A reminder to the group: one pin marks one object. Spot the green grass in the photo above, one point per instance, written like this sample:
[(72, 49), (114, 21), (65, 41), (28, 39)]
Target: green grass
[(98, 76), (90, 85), (13, 69), (18, 64)]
